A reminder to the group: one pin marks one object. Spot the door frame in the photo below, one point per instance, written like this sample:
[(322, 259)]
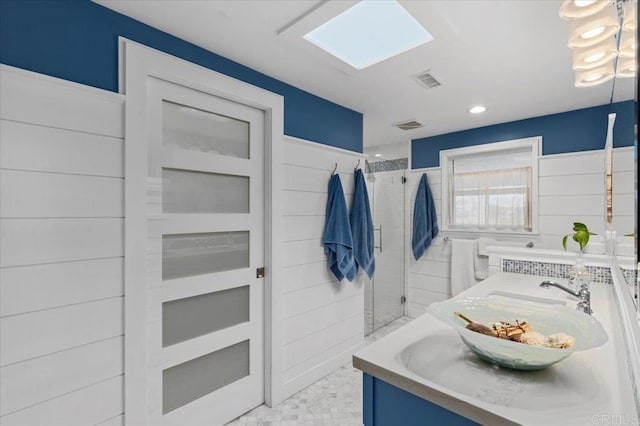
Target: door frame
[(137, 64)]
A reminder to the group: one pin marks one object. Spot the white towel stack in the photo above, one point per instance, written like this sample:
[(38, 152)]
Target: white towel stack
[(467, 265)]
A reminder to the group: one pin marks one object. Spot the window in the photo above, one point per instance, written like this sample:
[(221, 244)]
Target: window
[(491, 187)]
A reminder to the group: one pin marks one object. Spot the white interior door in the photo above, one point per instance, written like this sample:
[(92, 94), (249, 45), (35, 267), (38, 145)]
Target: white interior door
[(205, 227)]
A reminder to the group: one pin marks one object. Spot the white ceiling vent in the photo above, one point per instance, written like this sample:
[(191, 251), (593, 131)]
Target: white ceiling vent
[(426, 79), (408, 125)]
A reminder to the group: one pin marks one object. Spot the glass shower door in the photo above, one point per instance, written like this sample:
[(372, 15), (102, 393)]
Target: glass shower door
[(384, 294)]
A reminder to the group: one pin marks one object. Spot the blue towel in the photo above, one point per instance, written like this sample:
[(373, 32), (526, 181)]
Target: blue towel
[(338, 242), (362, 226), (425, 220)]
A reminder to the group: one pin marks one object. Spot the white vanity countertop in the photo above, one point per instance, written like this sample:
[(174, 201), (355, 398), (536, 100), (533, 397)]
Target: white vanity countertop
[(586, 388)]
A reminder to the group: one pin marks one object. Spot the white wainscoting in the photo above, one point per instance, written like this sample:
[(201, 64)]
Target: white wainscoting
[(324, 318), (61, 263), (571, 189), (61, 287)]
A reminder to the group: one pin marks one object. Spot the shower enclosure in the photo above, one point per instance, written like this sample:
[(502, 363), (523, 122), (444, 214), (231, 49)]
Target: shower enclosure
[(385, 293)]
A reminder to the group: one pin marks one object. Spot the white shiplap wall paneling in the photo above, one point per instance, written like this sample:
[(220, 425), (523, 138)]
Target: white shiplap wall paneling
[(40, 379), (317, 319), (307, 299), (86, 406), (303, 251), (324, 320), (36, 99), (37, 287), (307, 275), (40, 333), (298, 203), (576, 163), (309, 346), (47, 149), (307, 227), (30, 194), (623, 182), (432, 267), (585, 184), (562, 225), (623, 160), (36, 241), (571, 205), (624, 220), (322, 363), (61, 248), (315, 179)]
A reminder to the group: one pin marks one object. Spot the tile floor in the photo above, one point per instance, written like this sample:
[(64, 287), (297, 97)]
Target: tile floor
[(335, 400)]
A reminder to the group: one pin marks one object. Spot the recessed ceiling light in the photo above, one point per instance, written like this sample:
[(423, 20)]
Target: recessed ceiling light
[(369, 32), (378, 155), (477, 109)]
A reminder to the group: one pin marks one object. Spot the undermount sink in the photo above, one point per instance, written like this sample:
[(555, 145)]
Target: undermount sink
[(438, 358), (505, 295)]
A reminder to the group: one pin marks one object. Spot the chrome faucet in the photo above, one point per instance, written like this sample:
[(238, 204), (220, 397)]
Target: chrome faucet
[(584, 294)]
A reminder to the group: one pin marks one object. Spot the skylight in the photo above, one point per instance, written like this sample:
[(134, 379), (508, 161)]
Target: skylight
[(369, 32)]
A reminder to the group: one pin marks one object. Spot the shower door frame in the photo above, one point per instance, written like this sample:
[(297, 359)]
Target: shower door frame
[(406, 246)]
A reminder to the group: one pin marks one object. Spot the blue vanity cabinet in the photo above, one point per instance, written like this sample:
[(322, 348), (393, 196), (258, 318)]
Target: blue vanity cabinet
[(387, 405)]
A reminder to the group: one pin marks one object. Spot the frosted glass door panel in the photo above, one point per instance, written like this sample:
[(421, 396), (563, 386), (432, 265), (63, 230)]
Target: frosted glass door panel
[(186, 255), (197, 130), (184, 319), (185, 191), (198, 377)]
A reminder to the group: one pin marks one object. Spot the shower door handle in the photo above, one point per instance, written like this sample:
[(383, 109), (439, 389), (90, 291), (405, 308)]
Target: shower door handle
[(379, 228)]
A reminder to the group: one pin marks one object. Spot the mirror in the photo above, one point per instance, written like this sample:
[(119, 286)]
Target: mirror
[(625, 181)]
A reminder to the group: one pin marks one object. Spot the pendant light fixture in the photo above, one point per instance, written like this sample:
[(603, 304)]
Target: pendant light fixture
[(603, 39), (627, 67), (630, 22), (595, 28), (578, 9), (594, 56), (628, 44), (595, 76)]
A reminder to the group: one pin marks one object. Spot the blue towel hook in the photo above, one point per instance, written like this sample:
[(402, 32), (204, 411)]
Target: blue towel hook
[(357, 165), (334, 169)]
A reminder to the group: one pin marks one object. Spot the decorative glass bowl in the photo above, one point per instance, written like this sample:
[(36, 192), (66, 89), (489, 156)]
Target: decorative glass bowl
[(586, 330)]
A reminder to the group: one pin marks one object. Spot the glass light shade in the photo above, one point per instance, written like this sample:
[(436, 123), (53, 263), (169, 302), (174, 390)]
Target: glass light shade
[(577, 9), (595, 76), (628, 44), (630, 21), (626, 68), (594, 56), (596, 28)]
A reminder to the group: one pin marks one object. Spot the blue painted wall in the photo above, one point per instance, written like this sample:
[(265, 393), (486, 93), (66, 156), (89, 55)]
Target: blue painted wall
[(579, 130), (77, 40)]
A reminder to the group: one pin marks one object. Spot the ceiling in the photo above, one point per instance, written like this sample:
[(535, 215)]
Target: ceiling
[(510, 56)]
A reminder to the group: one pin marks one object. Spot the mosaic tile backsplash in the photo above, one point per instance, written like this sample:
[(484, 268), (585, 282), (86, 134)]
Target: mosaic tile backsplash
[(598, 274), (629, 275), (386, 165)]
